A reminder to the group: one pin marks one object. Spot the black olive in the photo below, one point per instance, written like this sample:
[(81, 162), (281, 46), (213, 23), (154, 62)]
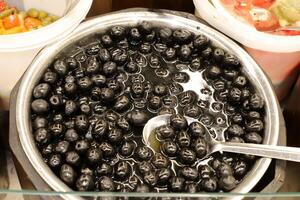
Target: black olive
[(169, 54), (109, 68), (175, 88), (70, 88), (189, 173), (134, 36), (119, 56), (184, 53), (122, 170), (217, 106), (214, 72), (177, 184), (62, 147), (106, 184), (71, 135), (160, 89), (207, 119), (215, 163), (255, 125), (253, 137), (85, 83), (145, 27), (200, 42), (235, 130), (85, 183), (118, 32), (60, 67), (154, 102), (42, 136), (107, 95), (87, 171), (218, 54), (131, 67), (187, 97), (165, 34), (71, 62), (145, 48), (166, 110), (164, 132), (187, 156), (107, 149), (57, 129), (183, 139), (240, 168), (227, 183), (230, 74), (182, 36), (123, 124), (50, 77), (81, 57), (92, 65), (191, 188), (106, 40), (256, 102), (200, 146), (209, 184), (196, 64), (205, 171), (154, 61), (122, 103), (151, 178), (143, 153), (207, 52), (180, 77), (237, 118), (144, 167), (196, 130), (219, 85), (92, 49), (224, 170), (137, 89), (40, 122), (111, 116), (115, 135), (85, 108), (41, 90), (67, 174), (231, 60), (104, 55), (178, 122), (234, 95), (127, 148), (40, 106), (73, 158), (55, 161), (99, 80), (104, 169), (240, 81), (81, 122), (192, 111), (160, 161), (164, 175), (94, 155), (82, 146), (138, 117)]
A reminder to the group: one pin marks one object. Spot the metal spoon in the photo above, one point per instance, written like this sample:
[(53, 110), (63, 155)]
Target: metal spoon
[(262, 150)]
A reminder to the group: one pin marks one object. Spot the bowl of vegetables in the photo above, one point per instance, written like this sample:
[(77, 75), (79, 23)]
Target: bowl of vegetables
[(268, 25), (26, 27)]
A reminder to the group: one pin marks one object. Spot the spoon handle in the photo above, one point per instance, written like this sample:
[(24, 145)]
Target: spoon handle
[(269, 151)]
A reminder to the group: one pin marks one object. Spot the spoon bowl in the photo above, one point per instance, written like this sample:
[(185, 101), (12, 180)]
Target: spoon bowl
[(269, 151)]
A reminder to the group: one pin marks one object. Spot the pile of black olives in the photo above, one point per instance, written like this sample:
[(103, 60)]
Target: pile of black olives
[(90, 105)]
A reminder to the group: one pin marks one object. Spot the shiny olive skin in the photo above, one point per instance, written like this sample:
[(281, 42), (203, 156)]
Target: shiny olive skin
[(178, 122), (67, 174), (85, 183), (165, 131), (169, 148)]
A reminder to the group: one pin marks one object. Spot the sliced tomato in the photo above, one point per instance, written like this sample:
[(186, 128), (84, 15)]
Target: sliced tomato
[(2, 6), (269, 24), (32, 23), (11, 21), (263, 3), (242, 7)]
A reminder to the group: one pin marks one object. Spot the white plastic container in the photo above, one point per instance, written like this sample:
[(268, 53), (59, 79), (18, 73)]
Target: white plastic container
[(18, 50), (216, 15)]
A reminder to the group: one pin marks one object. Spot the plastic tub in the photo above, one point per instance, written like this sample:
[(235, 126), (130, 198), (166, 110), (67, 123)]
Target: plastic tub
[(215, 14), (18, 50)]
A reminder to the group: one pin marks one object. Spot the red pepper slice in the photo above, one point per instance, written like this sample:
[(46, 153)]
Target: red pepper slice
[(2, 5)]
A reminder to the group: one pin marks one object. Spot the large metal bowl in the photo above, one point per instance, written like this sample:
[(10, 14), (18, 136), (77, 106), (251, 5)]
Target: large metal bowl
[(45, 57)]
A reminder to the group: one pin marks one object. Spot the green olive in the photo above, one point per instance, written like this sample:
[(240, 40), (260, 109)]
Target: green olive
[(42, 15), (54, 18), (6, 13), (46, 21), (33, 13)]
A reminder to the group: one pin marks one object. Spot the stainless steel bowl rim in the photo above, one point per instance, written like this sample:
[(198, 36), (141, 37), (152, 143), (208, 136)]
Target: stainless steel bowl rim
[(40, 63)]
